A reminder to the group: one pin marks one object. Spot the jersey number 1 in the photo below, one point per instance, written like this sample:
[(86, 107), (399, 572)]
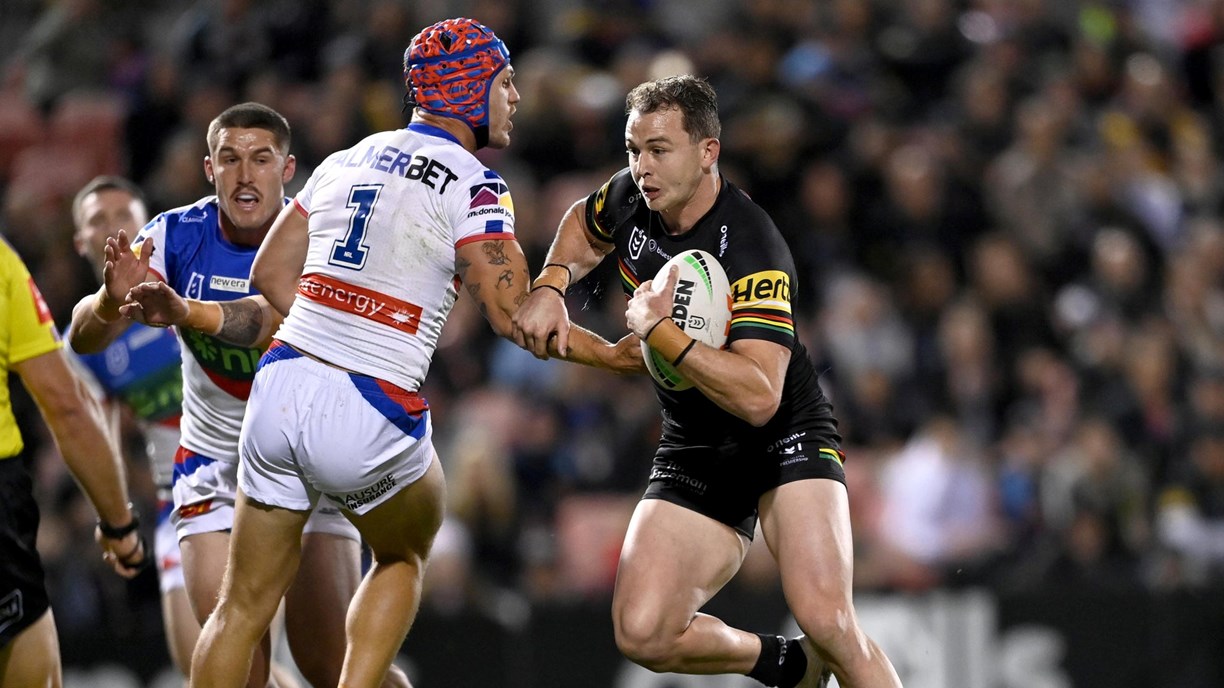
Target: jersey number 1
[(350, 252)]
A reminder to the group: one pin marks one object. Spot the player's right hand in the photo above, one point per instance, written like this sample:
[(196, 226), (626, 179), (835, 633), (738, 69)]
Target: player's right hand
[(155, 304), (541, 317)]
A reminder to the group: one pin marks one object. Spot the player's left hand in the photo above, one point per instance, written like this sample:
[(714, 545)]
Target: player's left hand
[(155, 304), (627, 356), (648, 305)]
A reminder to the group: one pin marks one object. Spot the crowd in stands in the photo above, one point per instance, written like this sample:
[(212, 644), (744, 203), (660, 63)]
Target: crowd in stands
[(1005, 214)]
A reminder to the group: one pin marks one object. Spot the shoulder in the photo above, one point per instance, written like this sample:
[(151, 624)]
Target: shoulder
[(11, 264), (611, 204)]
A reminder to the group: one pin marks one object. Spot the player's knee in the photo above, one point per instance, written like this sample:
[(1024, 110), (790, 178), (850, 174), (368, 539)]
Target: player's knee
[(642, 639), (828, 627)]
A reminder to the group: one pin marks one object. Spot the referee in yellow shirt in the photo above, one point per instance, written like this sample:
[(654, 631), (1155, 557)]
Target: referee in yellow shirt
[(30, 347)]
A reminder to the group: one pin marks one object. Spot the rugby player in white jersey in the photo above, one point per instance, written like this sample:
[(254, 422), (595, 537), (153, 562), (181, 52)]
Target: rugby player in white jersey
[(205, 250), (366, 265)]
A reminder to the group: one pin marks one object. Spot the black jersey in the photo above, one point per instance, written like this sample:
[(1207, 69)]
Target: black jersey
[(761, 271)]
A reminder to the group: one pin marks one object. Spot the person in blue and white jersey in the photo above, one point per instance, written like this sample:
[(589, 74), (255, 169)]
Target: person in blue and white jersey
[(205, 251)]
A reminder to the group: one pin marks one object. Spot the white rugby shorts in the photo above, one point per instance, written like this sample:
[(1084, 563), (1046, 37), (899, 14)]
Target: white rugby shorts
[(313, 430), (204, 493), (166, 549)]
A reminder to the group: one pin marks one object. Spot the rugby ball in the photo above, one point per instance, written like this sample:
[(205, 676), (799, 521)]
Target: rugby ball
[(701, 306)]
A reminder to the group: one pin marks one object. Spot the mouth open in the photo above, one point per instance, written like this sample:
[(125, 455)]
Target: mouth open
[(246, 201)]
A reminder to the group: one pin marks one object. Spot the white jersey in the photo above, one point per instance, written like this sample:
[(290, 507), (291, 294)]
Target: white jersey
[(385, 218)]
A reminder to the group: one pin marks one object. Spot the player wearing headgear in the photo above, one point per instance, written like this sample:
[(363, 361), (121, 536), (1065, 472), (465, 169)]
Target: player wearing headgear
[(365, 265)]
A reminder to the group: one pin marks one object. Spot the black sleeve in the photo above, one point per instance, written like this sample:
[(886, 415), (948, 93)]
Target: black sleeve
[(611, 205), (762, 274)]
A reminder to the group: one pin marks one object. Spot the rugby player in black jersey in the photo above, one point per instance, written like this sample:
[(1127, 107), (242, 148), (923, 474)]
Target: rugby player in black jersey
[(755, 436)]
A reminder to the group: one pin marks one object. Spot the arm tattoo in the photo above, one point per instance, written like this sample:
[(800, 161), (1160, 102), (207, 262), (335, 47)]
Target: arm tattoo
[(243, 322), (507, 277), (474, 290), (496, 252)]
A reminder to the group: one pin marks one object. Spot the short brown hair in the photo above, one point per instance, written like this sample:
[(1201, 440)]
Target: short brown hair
[(106, 182), (692, 96), (251, 116)]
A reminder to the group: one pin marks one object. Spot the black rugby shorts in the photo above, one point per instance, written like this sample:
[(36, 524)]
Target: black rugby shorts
[(23, 596), (726, 482)]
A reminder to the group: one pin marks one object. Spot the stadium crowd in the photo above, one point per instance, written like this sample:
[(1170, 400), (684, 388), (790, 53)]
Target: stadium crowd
[(1006, 216)]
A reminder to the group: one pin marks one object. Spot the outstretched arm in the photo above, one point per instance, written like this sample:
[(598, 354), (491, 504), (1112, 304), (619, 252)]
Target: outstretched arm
[(77, 424), (574, 253), (248, 321), (495, 274), (96, 320)]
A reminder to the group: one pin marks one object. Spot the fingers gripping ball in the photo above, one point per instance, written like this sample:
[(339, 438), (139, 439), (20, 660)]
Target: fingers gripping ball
[(701, 306)]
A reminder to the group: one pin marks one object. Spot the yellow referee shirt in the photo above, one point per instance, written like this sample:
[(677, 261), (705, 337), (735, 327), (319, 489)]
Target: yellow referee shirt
[(26, 330)]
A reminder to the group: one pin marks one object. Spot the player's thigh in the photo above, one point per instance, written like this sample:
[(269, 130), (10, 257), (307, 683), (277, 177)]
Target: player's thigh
[(265, 549), (32, 659), (403, 526), (673, 561), (806, 524)]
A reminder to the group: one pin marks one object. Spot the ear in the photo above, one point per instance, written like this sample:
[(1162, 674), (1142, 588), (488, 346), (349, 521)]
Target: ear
[(710, 148), (290, 169), (208, 169), (78, 244)]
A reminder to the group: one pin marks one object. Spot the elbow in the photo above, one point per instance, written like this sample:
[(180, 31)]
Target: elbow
[(760, 410)]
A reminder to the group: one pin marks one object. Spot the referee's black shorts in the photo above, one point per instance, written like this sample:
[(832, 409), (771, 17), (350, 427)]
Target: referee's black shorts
[(23, 595)]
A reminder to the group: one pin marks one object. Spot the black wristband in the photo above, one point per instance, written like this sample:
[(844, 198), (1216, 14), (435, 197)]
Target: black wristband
[(119, 532), (652, 327), (142, 546), (549, 286), (684, 353)]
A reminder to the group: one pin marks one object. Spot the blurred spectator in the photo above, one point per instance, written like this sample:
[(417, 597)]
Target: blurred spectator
[(1190, 518)]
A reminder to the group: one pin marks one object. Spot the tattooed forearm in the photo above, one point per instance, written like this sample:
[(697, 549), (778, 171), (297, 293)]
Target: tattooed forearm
[(243, 322), (496, 252)]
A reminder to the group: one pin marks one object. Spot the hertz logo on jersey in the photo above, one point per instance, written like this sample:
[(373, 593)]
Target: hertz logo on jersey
[(762, 300), (767, 285)]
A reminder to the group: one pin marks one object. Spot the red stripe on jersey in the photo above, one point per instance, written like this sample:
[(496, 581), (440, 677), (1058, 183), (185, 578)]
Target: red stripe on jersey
[(498, 236), (366, 303), (300, 209), (239, 389), (40, 305)]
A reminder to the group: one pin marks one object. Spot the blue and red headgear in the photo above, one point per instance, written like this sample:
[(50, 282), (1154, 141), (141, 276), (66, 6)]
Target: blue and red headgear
[(448, 68)]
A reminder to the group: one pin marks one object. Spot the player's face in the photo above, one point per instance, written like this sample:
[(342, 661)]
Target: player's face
[(503, 101), (665, 162), (102, 214), (249, 173)]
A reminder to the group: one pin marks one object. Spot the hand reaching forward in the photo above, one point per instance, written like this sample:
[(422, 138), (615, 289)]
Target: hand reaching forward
[(542, 316), (154, 304), (124, 267)]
